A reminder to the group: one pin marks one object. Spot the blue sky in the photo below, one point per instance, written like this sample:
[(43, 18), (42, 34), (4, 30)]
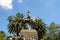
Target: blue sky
[(48, 10)]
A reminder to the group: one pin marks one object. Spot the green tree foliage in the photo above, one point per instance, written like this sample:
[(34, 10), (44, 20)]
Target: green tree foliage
[(16, 23), (2, 35), (58, 35), (39, 26), (53, 31), (7, 37)]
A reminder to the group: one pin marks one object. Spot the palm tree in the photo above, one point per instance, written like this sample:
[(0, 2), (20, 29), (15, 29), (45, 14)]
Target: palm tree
[(39, 26), (16, 24)]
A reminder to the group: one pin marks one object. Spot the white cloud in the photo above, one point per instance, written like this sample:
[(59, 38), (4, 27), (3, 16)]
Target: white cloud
[(20, 1), (6, 4)]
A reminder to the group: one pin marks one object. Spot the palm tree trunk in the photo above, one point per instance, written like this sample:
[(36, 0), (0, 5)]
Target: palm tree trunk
[(38, 36), (17, 33)]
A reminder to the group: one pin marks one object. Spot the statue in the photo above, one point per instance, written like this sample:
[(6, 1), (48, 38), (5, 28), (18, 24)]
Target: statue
[(28, 14)]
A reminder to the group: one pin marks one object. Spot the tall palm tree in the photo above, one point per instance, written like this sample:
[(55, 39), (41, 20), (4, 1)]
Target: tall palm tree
[(16, 24), (39, 26)]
